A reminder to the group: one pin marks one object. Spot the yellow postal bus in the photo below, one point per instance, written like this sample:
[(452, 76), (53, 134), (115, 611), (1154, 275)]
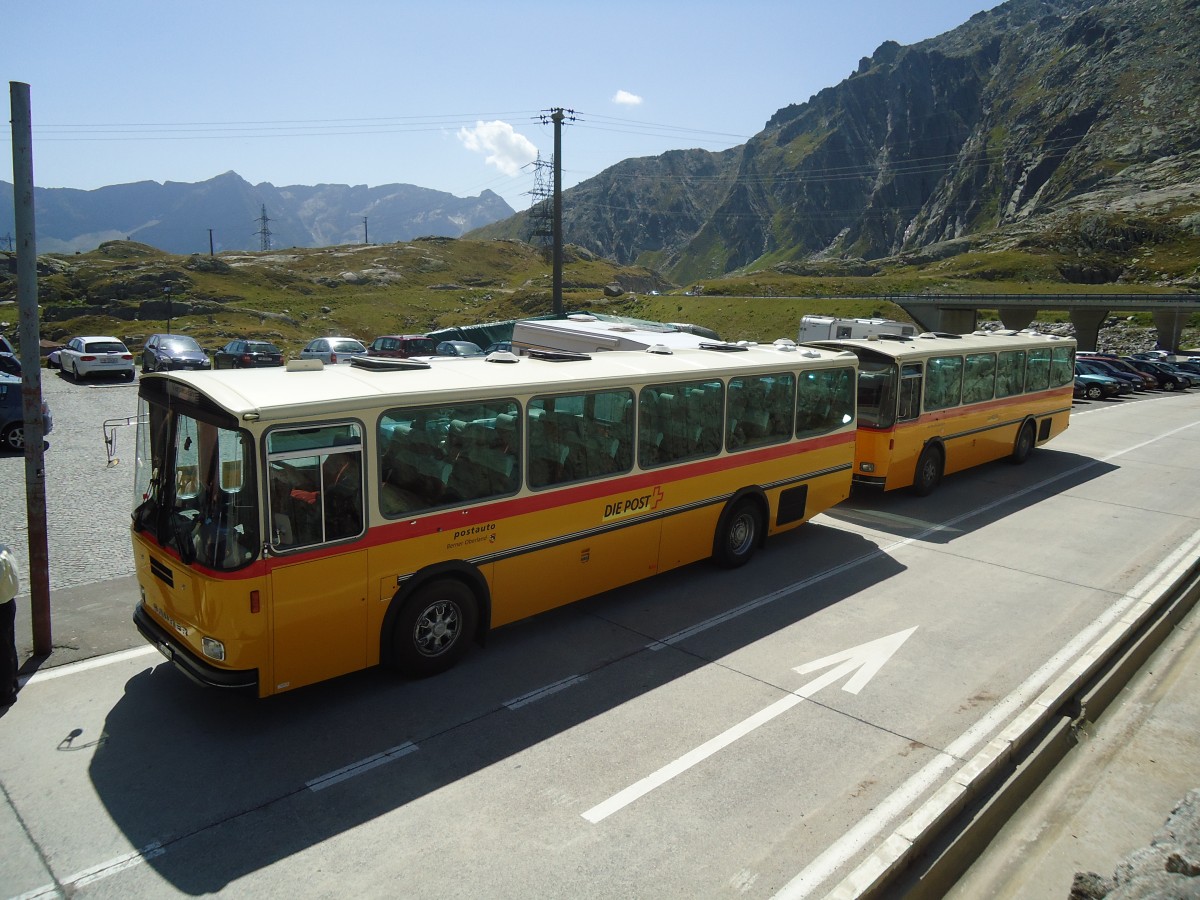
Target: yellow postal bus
[(299, 523), (936, 403)]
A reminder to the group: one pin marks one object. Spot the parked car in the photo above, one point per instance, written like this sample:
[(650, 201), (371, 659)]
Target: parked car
[(164, 352), (90, 355), (247, 355), (333, 350), (1167, 380), (498, 347), (1109, 361), (1190, 374), (9, 364), (458, 348), (402, 346), (1097, 387), (1191, 366), (1089, 367), (12, 415)]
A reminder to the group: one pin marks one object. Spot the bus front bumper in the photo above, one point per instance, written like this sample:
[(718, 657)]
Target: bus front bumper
[(187, 662)]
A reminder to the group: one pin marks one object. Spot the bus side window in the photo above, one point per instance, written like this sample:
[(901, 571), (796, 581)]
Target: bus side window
[(575, 437), (1062, 367), (1010, 372), (679, 421), (910, 392), (314, 485), (943, 382), (979, 379), (441, 456)]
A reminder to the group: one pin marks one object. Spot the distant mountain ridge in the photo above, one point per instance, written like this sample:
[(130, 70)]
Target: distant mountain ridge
[(176, 216), (996, 132)]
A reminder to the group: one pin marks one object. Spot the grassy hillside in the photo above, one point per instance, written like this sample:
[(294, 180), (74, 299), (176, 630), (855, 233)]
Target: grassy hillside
[(294, 295)]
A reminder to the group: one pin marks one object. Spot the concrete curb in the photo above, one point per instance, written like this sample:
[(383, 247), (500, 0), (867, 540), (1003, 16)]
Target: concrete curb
[(1033, 741)]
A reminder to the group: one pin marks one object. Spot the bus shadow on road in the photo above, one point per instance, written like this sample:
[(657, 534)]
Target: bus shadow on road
[(214, 787), (966, 502)]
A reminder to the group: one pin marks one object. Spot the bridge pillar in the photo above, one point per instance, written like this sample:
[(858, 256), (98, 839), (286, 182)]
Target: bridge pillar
[(1017, 317), (1169, 323), (931, 317), (1087, 324)]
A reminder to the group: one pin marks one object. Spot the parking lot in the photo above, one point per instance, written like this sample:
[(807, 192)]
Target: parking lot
[(87, 502)]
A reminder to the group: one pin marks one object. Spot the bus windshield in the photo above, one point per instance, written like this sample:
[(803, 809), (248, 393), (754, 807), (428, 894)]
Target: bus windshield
[(195, 489), (877, 393)]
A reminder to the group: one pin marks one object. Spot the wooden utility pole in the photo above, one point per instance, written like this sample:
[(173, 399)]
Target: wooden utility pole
[(557, 116), (31, 369)]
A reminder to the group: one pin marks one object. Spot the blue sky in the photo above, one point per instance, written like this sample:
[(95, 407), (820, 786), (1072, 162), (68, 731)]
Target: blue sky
[(442, 95)]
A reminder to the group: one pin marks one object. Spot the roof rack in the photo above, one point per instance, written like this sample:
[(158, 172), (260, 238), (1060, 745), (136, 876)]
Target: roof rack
[(557, 355), (387, 364)]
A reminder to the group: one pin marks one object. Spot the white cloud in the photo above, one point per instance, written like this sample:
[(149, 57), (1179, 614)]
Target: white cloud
[(624, 98), (504, 148)]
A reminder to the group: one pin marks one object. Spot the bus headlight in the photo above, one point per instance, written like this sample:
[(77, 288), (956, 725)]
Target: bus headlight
[(213, 649), (867, 466)]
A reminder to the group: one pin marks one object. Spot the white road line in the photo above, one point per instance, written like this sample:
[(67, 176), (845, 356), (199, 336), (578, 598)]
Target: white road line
[(933, 528), (84, 665), (545, 691), (95, 873), (862, 663), (620, 800), (873, 824), (363, 765)]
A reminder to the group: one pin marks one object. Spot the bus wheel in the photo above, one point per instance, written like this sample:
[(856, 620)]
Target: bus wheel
[(738, 534), (929, 471), (1024, 445), (434, 627)]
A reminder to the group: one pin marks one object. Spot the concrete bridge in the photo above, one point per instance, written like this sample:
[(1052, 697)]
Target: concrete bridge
[(958, 312)]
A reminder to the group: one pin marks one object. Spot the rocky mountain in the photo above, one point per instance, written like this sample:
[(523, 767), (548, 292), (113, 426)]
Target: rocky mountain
[(177, 216), (1027, 120)]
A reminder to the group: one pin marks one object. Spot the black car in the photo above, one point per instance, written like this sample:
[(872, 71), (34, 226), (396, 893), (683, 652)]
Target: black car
[(9, 364), (163, 352), (1167, 380), (247, 355)]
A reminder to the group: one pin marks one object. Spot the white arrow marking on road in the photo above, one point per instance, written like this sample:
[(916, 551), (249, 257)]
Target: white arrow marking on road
[(866, 658)]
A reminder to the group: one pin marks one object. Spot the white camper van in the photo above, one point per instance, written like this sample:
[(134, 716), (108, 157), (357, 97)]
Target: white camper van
[(824, 328)]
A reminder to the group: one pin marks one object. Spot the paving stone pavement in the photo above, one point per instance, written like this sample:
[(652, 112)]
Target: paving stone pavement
[(87, 503)]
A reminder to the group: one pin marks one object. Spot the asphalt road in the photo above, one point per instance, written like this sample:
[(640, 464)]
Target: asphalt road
[(682, 737)]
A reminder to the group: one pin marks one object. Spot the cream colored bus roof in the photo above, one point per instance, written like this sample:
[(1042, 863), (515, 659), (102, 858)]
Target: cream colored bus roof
[(936, 344), (273, 394)]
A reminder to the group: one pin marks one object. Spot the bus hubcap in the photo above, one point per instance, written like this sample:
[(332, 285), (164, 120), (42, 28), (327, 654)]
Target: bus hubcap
[(741, 534), (436, 628)]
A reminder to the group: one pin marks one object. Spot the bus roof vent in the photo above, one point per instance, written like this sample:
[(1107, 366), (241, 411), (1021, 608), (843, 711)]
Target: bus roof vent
[(787, 345), (891, 337), (556, 355), (660, 349), (942, 334), (387, 364), (502, 356), (812, 354), (726, 348), (582, 317), (304, 365)]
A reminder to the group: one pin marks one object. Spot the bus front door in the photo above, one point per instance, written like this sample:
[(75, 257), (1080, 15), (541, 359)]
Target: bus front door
[(320, 619)]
